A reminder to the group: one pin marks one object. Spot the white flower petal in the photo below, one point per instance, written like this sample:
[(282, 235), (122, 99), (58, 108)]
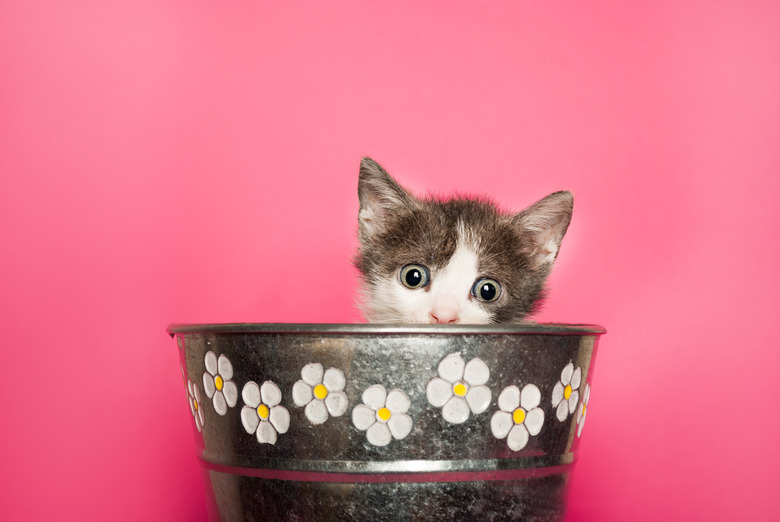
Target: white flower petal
[(208, 384), (576, 378), (379, 434), (566, 374), (363, 417), (501, 423), (563, 411), (219, 403), (451, 367), (266, 434), (557, 394), (316, 412), (334, 379), (530, 397), (586, 394), (438, 392), (476, 372), (280, 418), (224, 367), (251, 394), (302, 393), (249, 419), (211, 363), (398, 402), (534, 420), (509, 400), (196, 392), (517, 438), (271, 394), (581, 424), (400, 425), (478, 398), (199, 422), (375, 396), (336, 402), (231, 393), (312, 374), (573, 400), (200, 416), (456, 410)]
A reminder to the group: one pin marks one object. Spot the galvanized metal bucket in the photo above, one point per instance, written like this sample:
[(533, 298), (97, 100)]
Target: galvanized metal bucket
[(372, 422)]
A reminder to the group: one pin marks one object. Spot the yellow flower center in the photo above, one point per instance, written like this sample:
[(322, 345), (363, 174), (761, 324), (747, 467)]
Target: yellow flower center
[(518, 416), (460, 389), (567, 392), (262, 411), (218, 382), (584, 409), (320, 391), (195, 403), (384, 414)]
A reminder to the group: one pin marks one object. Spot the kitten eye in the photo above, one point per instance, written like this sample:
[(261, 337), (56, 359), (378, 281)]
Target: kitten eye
[(414, 276), (487, 290)]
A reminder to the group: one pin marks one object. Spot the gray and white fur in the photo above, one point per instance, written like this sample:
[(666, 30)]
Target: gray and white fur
[(451, 261)]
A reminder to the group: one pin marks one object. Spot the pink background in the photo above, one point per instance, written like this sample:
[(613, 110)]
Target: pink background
[(197, 162)]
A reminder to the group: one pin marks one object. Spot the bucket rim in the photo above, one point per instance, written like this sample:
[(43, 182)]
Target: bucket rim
[(385, 329)]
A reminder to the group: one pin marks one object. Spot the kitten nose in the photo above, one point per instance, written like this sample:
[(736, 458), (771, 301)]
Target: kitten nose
[(444, 317)]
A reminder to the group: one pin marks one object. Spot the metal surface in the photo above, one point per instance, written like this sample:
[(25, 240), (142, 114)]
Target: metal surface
[(333, 470)]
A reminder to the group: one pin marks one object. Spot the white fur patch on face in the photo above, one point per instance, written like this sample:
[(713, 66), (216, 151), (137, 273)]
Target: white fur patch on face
[(446, 300), (449, 298)]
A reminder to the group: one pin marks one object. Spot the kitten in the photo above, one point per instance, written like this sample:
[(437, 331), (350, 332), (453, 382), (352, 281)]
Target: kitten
[(454, 261)]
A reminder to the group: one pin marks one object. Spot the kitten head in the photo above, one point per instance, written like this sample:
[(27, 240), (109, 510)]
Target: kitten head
[(454, 261)]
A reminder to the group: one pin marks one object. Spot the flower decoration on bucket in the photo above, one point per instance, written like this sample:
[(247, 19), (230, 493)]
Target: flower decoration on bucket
[(262, 414), (321, 392), (566, 392), (519, 416), (218, 384), (383, 415), (193, 394), (460, 389), (583, 410)]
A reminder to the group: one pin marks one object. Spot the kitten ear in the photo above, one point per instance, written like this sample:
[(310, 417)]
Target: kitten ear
[(543, 226), (380, 197)]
